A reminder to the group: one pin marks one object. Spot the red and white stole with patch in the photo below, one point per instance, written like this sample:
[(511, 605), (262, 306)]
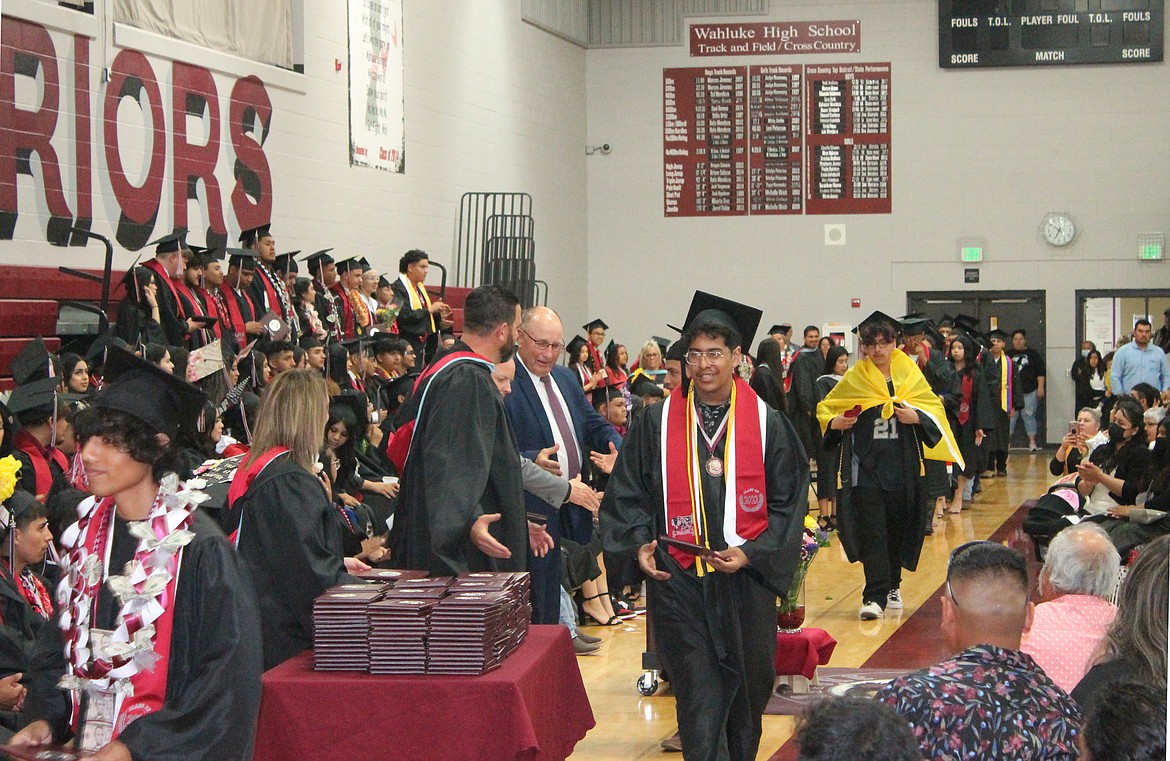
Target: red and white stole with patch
[(745, 508)]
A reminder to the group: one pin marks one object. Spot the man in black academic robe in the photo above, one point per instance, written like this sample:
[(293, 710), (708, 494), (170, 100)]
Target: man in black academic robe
[(419, 327), (462, 502), (996, 366), (808, 365), (715, 633)]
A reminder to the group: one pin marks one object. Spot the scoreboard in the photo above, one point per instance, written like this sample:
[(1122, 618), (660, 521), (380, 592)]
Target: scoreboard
[(980, 33)]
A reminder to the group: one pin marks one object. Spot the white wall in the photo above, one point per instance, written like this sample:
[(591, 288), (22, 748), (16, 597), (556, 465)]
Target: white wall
[(975, 153), (492, 104)]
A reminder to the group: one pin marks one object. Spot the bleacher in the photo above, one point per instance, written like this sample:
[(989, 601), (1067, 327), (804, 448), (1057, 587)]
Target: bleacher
[(30, 305)]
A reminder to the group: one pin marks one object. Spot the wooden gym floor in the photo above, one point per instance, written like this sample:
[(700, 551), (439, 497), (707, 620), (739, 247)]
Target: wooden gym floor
[(630, 726)]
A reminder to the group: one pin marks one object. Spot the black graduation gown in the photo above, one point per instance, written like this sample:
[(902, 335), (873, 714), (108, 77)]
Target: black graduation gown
[(174, 325), (980, 415), (463, 464), (939, 374), (716, 635), (28, 476), (804, 371), (136, 327), (850, 523), (290, 545), (213, 675), (992, 373)]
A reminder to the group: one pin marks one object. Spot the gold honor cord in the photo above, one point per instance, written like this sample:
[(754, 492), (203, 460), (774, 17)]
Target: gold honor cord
[(698, 505)]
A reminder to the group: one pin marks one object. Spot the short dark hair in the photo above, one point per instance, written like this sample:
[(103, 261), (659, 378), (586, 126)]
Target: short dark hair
[(845, 729), (128, 433), (410, 257), (871, 331), (301, 287), (809, 328), (279, 347), (1128, 725), (1143, 321), (711, 328), (389, 346), (487, 307), (1147, 392), (1019, 332), (35, 416), (989, 559)]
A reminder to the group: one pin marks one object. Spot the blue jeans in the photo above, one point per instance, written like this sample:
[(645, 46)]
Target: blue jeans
[(568, 612), (1031, 402)]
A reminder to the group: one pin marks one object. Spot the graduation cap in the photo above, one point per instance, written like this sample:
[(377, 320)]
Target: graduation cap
[(593, 325), (287, 262), (318, 259), (574, 346), (997, 333), (169, 244), (102, 343), (401, 386), (205, 360), (383, 282), (676, 352), (13, 508), (876, 319), (348, 265), (355, 345), (364, 264), (356, 402), (967, 323), (782, 327), (36, 394), (249, 237), (605, 394), (663, 343), (946, 321), (242, 258), (937, 339), (310, 341), (644, 386), (34, 361), (148, 393), (913, 324), (212, 254), (743, 319)]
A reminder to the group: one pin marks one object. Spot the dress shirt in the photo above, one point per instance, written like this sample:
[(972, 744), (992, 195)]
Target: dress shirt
[(1065, 634), (542, 393), (1132, 365)]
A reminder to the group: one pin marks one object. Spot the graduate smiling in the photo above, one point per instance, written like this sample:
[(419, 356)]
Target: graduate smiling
[(712, 466)]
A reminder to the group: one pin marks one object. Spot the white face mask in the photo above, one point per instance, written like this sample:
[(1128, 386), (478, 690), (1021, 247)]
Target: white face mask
[(1085, 353)]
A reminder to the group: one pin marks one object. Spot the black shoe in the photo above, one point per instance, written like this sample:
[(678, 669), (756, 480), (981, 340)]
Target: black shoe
[(673, 744), (1000, 473)]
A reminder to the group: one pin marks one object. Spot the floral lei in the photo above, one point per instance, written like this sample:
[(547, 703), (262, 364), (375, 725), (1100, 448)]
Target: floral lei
[(143, 588)]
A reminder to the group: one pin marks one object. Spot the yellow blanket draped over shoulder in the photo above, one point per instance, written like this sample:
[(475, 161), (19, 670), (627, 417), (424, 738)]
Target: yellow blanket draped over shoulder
[(865, 385)]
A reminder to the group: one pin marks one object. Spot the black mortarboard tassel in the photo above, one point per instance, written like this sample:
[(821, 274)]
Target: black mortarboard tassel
[(33, 362)]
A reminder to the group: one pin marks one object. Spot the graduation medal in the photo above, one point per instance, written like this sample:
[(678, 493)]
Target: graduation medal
[(714, 467)]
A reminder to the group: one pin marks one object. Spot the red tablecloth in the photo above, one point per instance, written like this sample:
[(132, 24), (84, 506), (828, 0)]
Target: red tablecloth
[(802, 652), (532, 707)]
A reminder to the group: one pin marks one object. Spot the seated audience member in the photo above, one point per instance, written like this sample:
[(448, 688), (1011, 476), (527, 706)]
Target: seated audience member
[(388, 353), (1130, 526), (1080, 572), (1129, 726), (610, 403), (845, 729), (359, 537), (1134, 650), (279, 514), (990, 701), (1146, 395), (1150, 420), (1076, 446), (201, 698), (1117, 472)]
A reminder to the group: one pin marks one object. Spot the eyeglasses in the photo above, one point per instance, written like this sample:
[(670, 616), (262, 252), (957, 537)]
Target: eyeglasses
[(963, 548), (712, 356), (876, 344), (557, 346)]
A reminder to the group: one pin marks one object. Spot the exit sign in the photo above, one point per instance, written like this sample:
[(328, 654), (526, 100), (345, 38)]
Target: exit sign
[(1151, 251), (971, 254), (1151, 246)]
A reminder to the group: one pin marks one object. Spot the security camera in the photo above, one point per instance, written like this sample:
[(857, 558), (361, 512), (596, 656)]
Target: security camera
[(606, 148)]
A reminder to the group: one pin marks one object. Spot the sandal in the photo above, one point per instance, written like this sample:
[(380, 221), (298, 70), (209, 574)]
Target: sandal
[(588, 617)]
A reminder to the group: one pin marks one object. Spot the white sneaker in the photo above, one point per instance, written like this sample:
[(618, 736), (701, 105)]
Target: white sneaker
[(894, 600), (869, 611)]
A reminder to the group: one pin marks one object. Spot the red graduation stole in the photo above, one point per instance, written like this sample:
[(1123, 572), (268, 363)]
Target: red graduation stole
[(598, 365), (398, 443), (745, 501), (235, 317), (39, 456), (273, 301), (242, 481), (211, 306), (168, 281)]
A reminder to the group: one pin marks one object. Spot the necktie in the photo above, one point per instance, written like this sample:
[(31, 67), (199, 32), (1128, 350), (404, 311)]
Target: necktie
[(573, 457)]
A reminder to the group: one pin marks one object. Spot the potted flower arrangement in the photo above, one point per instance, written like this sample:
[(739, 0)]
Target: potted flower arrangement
[(790, 607)]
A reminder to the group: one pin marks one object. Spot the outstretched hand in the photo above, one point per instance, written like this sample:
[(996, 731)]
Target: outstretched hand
[(605, 462), (482, 538)]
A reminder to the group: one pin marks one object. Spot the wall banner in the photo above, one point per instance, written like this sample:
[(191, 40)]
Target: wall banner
[(376, 129)]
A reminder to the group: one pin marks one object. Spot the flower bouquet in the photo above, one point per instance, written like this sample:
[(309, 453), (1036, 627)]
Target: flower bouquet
[(790, 607)]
